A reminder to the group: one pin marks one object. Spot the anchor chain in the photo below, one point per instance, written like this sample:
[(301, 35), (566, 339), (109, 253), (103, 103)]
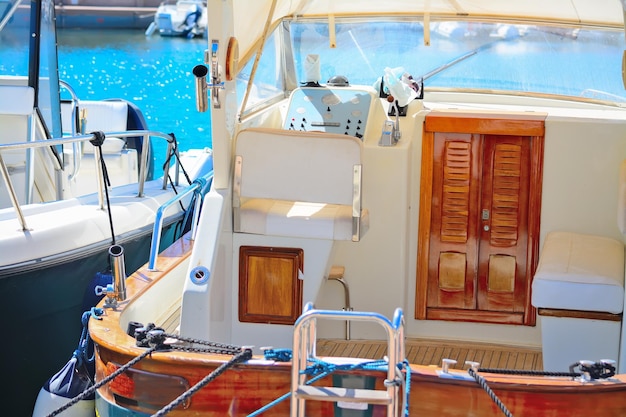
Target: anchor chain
[(528, 372), (150, 335), (595, 370)]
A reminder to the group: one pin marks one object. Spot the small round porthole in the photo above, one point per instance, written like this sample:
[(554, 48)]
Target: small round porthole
[(199, 275)]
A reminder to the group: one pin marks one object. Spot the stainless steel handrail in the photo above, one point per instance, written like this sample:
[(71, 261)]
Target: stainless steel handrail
[(147, 135), (304, 349), (12, 195), (76, 146), (200, 185)]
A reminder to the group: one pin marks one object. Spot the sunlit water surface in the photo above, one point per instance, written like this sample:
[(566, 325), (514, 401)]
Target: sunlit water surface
[(153, 72)]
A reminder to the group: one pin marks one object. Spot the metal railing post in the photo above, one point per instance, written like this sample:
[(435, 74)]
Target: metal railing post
[(12, 195)]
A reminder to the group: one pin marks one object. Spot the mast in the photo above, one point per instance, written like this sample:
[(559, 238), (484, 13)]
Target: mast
[(34, 47)]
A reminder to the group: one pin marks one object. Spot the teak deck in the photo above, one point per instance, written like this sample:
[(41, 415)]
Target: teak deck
[(431, 352), (426, 351)]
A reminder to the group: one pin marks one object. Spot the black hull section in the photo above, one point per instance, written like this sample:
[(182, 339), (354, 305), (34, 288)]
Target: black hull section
[(41, 310)]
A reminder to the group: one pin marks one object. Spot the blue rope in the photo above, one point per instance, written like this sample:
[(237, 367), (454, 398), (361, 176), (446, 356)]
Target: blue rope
[(407, 384), (321, 369), (285, 396), (323, 366), (81, 353), (270, 405), (278, 355)]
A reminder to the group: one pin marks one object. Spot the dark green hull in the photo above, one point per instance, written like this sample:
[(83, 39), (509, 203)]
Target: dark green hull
[(41, 311)]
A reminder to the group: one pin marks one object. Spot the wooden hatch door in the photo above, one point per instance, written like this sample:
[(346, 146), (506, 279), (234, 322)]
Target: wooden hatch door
[(475, 259)]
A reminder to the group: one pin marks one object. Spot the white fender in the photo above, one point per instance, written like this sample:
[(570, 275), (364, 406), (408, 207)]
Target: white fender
[(48, 402), (70, 381)]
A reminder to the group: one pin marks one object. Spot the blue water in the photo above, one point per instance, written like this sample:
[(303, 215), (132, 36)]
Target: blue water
[(152, 72)]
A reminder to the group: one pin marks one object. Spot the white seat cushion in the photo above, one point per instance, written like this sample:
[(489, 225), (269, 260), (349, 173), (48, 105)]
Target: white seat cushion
[(295, 218), (103, 115), (580, 272)]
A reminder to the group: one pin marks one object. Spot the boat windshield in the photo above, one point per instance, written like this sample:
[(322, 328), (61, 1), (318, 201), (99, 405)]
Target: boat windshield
[(520, 59), (37, 68)]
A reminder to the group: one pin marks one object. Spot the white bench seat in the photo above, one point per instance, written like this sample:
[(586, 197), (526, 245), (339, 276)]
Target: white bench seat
[(298, 218), (580, 272), (579, 291), (298, 184)]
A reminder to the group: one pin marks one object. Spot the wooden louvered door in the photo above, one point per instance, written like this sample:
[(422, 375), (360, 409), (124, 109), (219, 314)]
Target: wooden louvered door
[(453, 259), (479, 220), (503, 229)]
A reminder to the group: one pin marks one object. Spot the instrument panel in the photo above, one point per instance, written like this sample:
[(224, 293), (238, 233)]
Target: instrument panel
[(334, 110)]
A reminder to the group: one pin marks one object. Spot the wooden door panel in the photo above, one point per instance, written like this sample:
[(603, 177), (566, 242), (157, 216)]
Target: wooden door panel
[(504, 223), (453, 252)]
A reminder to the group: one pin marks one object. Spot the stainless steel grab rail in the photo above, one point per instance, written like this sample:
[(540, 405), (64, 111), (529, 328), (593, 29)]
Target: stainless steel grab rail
[(304, 350), (76, 146), (198, 186), (147, 135)]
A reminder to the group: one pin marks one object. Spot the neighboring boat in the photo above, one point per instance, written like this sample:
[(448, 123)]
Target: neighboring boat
[(184, 18), (474, 185), (68, 195)]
